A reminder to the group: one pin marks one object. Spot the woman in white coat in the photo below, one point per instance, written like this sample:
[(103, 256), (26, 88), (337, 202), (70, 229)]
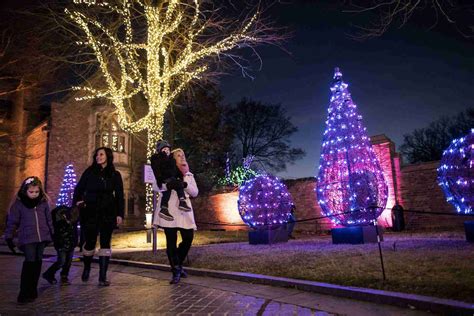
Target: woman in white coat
[(183, 220)]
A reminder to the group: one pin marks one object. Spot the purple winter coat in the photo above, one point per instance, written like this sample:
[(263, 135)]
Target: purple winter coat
[(32, 224)]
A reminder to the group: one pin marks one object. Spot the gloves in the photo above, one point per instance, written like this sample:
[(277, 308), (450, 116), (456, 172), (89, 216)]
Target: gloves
[(11, 245), (185, 184)]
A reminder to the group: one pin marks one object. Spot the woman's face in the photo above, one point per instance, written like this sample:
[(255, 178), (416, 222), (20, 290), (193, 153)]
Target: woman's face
[(179, 157), (33, 191), (101, 158)]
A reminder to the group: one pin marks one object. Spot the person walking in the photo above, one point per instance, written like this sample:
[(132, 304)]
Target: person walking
[(183, 221), (99, 194), (30, 217)]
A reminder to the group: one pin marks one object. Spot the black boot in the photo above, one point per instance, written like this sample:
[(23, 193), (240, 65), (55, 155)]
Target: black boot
[(176, 274), (87, 268), (27, 273), (103, 266), (36, 276), (49, 274)]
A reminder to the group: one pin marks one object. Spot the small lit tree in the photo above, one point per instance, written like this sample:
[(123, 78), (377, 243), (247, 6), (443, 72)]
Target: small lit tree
[(156, 49), (68, 185)]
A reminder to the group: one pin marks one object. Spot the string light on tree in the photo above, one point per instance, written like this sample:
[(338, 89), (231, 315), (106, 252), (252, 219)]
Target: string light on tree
[(350, 178), (264, 202), (68, 185), (456, 173), (156, 49)]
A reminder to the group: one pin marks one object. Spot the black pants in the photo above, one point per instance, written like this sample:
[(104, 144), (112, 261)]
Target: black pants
[(103, 229), (172, 184), (34, 251), (63, 262), (177, 254)]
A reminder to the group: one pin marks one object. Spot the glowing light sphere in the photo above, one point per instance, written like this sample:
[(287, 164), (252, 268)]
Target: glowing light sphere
[(264, 202), (350, 178), (68, 185), (456, 173)]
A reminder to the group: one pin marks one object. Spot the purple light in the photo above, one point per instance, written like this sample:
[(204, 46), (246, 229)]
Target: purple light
[(350, 178), (67, 187), (456, 173), (264, 202)]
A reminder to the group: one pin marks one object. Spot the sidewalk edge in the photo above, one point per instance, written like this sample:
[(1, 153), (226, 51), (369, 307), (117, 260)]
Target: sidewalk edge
[(421, 302)]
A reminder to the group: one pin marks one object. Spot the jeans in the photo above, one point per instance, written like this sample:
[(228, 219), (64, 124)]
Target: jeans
[(34, 251), (63, 262)]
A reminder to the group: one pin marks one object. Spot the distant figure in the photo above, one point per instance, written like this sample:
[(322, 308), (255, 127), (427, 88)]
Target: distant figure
[(398, 219), (30, 217), (65, 240), (291, 222)]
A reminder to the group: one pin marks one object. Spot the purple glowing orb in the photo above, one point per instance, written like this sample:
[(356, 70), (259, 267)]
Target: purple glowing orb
[(456, 173), (264, 202)]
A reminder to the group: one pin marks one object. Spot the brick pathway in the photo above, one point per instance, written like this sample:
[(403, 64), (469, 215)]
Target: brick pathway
[(141, 291)]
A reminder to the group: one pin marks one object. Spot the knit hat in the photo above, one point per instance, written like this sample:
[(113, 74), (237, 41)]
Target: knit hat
[(162, 144)]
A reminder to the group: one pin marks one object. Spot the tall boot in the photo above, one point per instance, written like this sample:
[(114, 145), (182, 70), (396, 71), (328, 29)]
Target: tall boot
[(36, 276), (87, 268), (48, 275), (26, 280), (103, 266)]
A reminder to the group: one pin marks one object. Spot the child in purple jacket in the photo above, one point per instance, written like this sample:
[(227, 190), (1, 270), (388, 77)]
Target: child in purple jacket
[(30, 217)]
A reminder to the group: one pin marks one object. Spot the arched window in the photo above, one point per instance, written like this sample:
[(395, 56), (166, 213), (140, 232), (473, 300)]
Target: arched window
[(109, 134)]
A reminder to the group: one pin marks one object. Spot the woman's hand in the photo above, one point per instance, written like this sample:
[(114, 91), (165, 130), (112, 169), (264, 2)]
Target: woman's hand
[(119, 220)]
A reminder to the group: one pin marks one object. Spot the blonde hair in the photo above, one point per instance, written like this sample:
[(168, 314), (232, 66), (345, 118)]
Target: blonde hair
[(177, 150)]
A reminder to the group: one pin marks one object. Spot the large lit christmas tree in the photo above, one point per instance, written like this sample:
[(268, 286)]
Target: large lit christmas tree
[(67, 187), (350, 179)]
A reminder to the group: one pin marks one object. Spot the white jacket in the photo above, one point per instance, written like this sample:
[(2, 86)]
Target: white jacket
[(182, 219)]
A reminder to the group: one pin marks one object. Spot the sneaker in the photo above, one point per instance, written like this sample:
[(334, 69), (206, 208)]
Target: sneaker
[(50, 278), (165, 214), (183, 206), (65, 280)]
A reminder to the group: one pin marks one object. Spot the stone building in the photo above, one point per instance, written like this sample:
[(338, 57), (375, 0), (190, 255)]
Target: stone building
[(69, 136)]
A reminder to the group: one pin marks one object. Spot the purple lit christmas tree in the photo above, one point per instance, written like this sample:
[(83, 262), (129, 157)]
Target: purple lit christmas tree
[(456, 174), (264, 202), (350, 179), (67, 187)]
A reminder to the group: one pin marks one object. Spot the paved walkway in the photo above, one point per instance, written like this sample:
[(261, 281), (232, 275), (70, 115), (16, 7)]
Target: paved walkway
[(143, 291)]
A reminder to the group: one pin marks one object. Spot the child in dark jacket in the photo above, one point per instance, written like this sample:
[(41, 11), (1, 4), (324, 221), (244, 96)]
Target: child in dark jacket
[(65, 240), (30, 217), (166, 172)]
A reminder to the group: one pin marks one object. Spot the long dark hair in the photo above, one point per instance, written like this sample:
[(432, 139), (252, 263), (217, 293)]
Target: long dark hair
[(110, 168), (31, 182)]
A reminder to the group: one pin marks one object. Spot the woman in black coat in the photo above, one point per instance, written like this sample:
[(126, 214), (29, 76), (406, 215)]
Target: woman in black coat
[(99, 194)]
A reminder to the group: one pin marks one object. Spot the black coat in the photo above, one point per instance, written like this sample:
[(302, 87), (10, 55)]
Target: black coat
[(164, 167), (65, 228), (102, 191)]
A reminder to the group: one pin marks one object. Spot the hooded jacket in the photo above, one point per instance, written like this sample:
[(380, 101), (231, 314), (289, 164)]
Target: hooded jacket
[(31, 224)]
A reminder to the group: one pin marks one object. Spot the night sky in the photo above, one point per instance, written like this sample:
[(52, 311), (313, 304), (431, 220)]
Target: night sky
[(400, 81)]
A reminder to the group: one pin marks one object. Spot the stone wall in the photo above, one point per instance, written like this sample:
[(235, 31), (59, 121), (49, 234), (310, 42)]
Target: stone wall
[(36, 146), (413, 186), (421, 193)]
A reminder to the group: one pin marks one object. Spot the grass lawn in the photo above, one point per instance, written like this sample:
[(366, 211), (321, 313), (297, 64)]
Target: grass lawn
[(435, 264)]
